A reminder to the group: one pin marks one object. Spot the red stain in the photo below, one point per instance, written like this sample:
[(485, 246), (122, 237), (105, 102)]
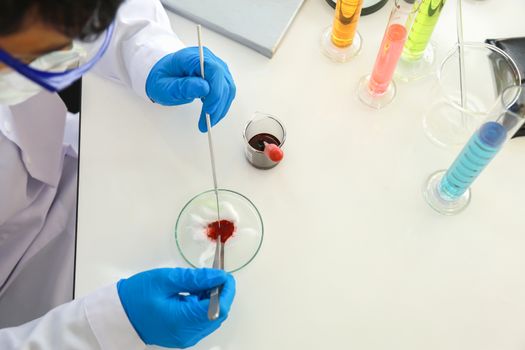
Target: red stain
[(225, 229)]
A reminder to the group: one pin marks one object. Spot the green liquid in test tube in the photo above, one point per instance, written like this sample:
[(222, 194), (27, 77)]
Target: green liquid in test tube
[(422, 29)]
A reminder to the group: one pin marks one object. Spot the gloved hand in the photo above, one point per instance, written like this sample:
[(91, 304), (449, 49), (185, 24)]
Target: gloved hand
[(162, 316), (176, 79)]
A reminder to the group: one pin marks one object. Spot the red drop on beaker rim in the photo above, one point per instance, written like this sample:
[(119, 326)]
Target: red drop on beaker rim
[(226, 230)]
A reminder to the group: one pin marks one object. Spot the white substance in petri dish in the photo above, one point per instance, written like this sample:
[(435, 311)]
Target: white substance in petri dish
[(239, 249)]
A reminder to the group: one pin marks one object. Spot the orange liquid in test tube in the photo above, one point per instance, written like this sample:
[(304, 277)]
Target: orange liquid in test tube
[(347, 14), (386, 61)]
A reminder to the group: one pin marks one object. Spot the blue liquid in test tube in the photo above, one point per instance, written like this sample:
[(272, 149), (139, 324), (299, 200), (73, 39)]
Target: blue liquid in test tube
[(475, 156)]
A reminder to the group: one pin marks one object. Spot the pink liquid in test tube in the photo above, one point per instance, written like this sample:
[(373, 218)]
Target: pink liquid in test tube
[(386, 61)]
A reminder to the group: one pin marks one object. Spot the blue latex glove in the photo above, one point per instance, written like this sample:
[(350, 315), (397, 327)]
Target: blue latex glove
[(176, 79), (162, 316)]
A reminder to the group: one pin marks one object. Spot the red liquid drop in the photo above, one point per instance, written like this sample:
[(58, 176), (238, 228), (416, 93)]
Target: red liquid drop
[(226, 230)]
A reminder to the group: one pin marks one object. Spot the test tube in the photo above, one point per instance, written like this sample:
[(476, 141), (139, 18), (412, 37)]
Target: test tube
[(448, 192), (418, 54), (378, 89), (341, 42)]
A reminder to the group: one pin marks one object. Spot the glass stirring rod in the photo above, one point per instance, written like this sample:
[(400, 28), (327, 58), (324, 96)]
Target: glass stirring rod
[(461, 51), (218, 260)]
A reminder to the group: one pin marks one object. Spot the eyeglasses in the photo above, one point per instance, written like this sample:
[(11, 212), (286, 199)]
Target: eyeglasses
[(55, 81)]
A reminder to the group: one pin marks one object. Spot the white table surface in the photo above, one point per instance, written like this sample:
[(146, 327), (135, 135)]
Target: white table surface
[(353, 257)]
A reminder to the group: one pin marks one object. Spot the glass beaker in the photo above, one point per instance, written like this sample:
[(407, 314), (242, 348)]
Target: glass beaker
[(378, 89), (197, 223), (446, 122), (448, 192), (341, 42), (418, 55), (262, 128)]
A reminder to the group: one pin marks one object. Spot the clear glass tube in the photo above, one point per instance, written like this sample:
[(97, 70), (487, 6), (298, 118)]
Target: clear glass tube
[(447, 121), (448, 191), (378, 89), (347, 14), (418, 54), (341, 42), (422, 30)]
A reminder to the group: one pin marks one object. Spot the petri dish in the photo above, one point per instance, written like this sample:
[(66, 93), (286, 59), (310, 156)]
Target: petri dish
[(194, 233)]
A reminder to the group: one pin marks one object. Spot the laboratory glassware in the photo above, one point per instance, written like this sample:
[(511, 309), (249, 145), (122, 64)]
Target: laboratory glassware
[(418, 55), (262, 128), (378, 89), (445, 121), (448, 192), (369, 6), (341, 42), (459, 32), (196, 230)]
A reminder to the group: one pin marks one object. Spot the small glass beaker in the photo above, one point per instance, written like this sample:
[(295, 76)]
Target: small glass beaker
[(446, 122), (260, 130)]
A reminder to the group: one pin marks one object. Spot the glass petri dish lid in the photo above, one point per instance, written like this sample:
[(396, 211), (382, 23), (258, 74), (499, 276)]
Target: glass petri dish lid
[(195, 231)]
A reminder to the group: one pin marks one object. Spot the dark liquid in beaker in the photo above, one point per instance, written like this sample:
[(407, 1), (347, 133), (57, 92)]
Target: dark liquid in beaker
[(226, 229), (258, 141)]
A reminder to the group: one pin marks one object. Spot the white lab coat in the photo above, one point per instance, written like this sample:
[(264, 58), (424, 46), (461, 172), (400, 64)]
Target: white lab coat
[(38, 178)]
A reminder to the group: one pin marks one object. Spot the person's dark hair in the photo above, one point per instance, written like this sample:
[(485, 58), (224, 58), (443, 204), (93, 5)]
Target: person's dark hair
[(82, 19)]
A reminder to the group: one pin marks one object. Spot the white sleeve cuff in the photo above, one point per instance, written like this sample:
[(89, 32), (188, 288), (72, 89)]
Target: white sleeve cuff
[(145, 56), (147, 36), (109, 322), (142, 36)]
